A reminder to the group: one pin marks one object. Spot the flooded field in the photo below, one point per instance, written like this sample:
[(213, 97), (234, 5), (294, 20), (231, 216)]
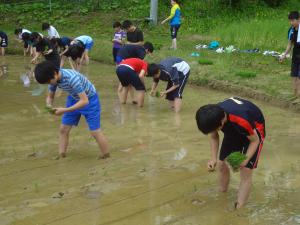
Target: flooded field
[(157, 173)]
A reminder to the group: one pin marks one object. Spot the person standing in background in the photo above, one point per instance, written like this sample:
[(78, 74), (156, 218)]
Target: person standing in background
[(175, 22)]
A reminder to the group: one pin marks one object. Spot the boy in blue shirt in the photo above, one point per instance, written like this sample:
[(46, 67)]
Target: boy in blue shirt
[(78, 51), (82, 100)]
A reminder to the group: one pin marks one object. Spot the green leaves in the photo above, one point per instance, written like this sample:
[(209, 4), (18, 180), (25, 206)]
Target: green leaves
[(235, 159)]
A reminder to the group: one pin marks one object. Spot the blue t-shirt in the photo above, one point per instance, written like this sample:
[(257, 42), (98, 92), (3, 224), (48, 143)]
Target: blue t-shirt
[(85, 39), (74, 83)]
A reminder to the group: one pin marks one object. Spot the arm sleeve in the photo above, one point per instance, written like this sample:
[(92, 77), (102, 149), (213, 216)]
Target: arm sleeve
[(52, 88), (145, 66), (173, 11), (290, 34)]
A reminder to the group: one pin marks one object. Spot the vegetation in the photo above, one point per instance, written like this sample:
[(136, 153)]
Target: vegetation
[(246, 26), (235, 159)]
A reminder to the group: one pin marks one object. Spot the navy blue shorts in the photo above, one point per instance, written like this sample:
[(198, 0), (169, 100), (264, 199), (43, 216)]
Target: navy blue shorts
[(119, 59), (177, 93), (91, 112), (240, 144), (4, 41), (295, 70), (128, 76), (174, 31), (115, 54)]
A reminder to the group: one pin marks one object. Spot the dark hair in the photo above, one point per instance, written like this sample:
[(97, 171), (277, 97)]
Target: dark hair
[(56, 42), (294, 15), (26, 36), (74, 51), (149, 46), (18, 31), (116, 24), (126, 24), (45, 26), (152, 69), (44, 72), (35, 35), (209, 118)]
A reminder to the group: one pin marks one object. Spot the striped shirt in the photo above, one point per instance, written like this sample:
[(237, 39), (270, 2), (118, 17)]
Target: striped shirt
[(74, 83)]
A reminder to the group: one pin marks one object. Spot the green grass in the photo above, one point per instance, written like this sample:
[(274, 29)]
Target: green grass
[(204, 61), (246, 74), (264, 28)]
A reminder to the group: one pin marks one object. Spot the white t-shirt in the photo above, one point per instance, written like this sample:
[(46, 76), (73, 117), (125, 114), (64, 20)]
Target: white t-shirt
[(52, 33), (22, 32)]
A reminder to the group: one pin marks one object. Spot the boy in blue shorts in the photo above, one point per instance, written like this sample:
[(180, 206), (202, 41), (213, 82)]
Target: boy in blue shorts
[(3, 42), (79, 51), (82, 101), (243, 126)]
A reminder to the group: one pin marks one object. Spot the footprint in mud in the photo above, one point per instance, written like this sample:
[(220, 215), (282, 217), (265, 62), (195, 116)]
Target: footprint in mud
[(93, 194), (198, 202), (58, 195)]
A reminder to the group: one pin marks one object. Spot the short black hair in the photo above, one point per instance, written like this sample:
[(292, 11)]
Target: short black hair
[(149, 46), (26, 36), (126, 24), (56, 42), (18, 31), (294, 15), (35, 35), (45, 26), (153, 69), (74, 51), (117, 24), (209, 118), (44, 72)]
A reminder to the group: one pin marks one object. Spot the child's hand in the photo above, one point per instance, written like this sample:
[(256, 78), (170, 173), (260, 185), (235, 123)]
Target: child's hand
[(60, 111), (244, 163), (163, 93), (211, 165), (282, 58)]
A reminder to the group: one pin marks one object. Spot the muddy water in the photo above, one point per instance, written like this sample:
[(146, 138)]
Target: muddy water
[(157, 173)]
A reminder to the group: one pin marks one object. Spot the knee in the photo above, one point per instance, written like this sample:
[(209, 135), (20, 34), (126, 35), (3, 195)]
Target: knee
[(223, 167), (63, 130)]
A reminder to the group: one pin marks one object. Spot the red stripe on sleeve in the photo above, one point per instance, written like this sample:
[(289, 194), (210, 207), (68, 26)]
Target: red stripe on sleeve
[(242, 122)]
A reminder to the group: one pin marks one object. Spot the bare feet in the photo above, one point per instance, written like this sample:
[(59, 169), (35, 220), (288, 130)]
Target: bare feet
[(105, 156), (60, 156)]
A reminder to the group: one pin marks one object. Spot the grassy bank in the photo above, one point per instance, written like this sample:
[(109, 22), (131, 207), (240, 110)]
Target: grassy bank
[(263, 28)]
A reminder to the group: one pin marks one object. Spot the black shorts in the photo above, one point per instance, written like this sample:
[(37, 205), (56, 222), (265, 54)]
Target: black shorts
[(240, 144), (127, 77), (4, 41), (177, 93), (174, 31), (295, 70), (115, 53)]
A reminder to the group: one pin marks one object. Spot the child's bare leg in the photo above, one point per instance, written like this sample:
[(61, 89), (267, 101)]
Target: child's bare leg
[(140, 95), (298, 87), (224, 176), (102, 143), (245, 187), (64, 132), (86, 58), (171, 104), (294, 84), (3, 51), (123, 95), (174, 43), (62, 61), (177, 104), (131, 93)]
